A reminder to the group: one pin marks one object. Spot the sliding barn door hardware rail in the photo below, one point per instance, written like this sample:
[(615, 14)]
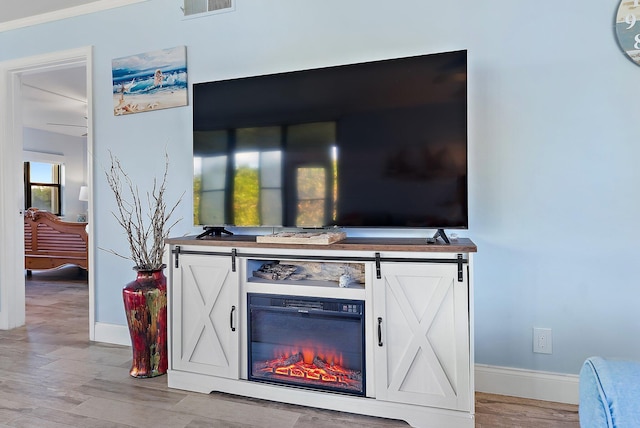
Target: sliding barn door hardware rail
[(377, 259)]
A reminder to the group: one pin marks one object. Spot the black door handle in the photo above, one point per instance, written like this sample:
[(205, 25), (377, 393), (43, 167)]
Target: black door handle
[(233, 309)]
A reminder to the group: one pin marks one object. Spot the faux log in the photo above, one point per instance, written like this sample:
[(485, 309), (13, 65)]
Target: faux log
[(296, 271), (280, 362), (331, 271), (275, 270), (351, 374)]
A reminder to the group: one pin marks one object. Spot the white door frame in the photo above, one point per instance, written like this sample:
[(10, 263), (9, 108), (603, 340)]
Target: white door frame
[(12, 295)]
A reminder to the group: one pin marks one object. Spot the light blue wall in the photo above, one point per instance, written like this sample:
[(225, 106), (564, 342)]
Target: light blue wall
[(552, 139)]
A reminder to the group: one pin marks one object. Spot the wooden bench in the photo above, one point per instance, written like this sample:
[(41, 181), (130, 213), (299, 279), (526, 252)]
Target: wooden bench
[(50, 242)]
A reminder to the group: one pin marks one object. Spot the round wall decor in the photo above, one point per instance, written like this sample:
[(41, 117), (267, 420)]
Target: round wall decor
[(627, 28)]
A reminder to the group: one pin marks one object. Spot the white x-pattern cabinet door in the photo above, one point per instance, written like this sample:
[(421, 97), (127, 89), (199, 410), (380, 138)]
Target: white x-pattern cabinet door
[(421, 317), (205, 316)]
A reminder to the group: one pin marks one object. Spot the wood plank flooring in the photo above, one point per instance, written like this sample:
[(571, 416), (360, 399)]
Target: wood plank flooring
[(52, 376)]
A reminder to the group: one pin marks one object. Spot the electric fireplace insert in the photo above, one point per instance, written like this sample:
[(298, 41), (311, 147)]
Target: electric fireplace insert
[(308, 342)]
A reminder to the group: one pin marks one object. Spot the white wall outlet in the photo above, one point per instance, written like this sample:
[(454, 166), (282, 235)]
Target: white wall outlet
[(542, 342)]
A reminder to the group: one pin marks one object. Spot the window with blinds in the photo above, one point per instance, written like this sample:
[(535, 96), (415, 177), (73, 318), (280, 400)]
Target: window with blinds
[(43, 186)]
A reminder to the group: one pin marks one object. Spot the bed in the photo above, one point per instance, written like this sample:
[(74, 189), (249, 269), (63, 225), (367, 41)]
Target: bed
[(51, 243)]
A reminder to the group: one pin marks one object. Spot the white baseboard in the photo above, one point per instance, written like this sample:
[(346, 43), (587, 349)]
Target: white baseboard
[(561, 388), (112, 333)]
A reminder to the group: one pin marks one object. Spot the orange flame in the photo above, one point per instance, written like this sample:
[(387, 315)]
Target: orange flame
[(331, 370), (308, 355)]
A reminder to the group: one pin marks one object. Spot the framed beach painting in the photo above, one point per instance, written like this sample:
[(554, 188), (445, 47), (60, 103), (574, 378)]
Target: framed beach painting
[(150, 81)]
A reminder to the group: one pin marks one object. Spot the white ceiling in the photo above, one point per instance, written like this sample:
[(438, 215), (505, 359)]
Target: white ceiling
[(19, 9), (56, 100)]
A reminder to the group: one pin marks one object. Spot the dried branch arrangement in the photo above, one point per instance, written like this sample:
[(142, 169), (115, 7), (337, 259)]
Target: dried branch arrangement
[(145, 222)]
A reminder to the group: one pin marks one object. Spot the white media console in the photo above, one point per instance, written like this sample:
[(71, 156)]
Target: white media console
[(418, 321)]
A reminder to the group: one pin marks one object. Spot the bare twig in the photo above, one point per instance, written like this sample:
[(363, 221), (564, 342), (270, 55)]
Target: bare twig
[(146, 233)]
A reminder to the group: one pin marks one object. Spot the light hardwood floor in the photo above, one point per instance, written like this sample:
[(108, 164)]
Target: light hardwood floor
[(52, 376)]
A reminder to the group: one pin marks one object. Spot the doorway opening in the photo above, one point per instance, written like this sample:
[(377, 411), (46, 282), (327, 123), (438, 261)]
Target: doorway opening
[(32, 86)]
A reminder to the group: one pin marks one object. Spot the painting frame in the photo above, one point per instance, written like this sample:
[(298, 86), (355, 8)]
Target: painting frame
[(150, 81)]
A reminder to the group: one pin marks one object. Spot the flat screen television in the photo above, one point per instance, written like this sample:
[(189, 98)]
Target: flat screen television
[(375, 144)]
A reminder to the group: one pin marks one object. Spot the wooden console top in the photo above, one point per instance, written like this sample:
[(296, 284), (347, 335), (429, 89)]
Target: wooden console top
[(461, 245)]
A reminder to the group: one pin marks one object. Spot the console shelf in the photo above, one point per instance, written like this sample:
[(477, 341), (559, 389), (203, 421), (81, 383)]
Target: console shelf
[(305, 283), (418, 320), (306, 288)]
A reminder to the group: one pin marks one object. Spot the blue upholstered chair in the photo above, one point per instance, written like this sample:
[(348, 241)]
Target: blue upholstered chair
[(609, 393)]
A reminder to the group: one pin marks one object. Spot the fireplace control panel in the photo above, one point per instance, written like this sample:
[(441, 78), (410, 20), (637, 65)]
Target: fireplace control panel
[(332, 305), (351, 308)]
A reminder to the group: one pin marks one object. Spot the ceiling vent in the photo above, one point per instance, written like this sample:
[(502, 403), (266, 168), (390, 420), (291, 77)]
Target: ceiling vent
[(194, 8)]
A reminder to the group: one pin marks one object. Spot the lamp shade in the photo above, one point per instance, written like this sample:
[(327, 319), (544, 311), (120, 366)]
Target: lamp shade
[(84, 193)]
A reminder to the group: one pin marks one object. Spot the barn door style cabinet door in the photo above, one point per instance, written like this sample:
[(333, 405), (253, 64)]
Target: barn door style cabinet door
[(422, 331), (205, 300)]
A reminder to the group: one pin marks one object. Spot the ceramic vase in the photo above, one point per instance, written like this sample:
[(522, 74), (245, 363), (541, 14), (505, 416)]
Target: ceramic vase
[(145, 303)]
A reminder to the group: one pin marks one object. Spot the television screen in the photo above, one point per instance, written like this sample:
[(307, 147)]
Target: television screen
[(376, 144)]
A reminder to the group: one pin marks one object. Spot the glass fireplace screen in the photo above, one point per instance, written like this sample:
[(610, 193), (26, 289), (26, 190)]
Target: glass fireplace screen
[(315, 343)]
